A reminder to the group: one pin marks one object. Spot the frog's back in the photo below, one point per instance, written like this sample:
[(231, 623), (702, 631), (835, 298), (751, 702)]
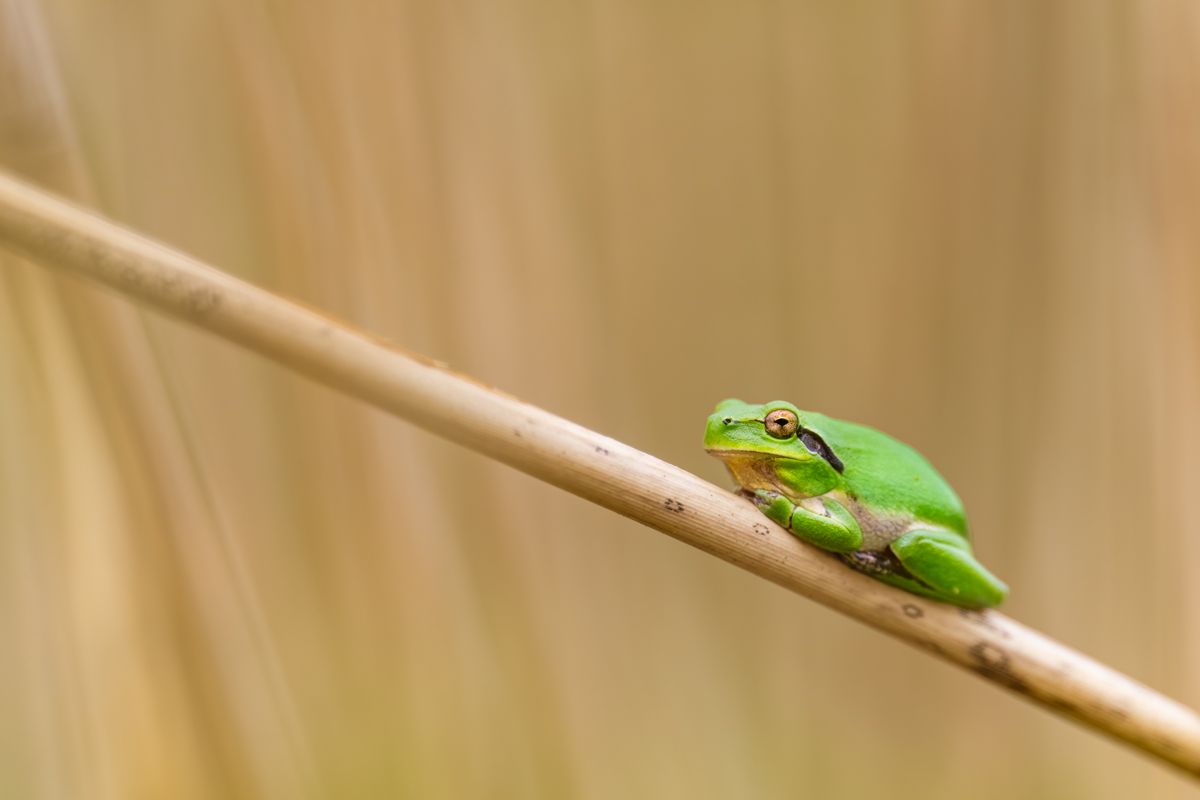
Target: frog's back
[(885, 474)]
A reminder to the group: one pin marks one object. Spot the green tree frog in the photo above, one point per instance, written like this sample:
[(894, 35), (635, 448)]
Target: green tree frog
[(859, 493)]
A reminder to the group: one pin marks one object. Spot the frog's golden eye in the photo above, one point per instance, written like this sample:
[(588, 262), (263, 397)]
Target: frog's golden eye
[(781, 423)]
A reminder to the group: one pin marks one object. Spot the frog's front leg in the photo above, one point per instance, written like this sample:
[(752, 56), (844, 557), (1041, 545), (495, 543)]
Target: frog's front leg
[(835, 530), (943, 562)]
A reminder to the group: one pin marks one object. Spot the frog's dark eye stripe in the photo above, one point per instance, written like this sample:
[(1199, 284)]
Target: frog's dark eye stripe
[(815, 445)]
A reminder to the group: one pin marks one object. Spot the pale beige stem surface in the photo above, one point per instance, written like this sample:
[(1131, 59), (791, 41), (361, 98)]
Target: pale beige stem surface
[(590, 465)]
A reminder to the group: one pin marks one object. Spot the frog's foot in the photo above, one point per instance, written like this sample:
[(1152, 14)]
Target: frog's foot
[(835, 529), (942, 564)]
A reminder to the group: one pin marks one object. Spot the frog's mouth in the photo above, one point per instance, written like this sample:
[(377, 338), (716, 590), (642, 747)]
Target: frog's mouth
[(751, 470)]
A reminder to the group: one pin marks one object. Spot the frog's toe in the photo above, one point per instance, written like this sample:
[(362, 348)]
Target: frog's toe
[(774, 505)]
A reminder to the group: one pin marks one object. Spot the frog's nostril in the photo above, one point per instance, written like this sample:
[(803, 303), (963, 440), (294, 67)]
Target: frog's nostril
[(727, 420)]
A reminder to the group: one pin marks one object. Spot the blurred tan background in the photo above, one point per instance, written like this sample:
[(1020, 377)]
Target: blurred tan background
[(970, 224)]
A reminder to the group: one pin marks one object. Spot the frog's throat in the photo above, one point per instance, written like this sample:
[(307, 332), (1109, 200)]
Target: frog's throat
[(752, 470)]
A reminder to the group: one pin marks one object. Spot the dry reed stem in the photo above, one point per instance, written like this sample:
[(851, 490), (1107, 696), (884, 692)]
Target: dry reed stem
[(590, 465)]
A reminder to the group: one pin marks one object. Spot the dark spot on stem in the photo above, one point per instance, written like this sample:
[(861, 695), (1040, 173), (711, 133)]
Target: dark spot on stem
[(200, 301), (671, 504), (993, 662), (983, 618)]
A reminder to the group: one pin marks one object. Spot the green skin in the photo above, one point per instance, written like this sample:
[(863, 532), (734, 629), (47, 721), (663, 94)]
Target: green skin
[(885, 512)]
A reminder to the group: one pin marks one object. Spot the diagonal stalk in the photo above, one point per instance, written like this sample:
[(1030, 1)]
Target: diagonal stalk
[(595, 467)]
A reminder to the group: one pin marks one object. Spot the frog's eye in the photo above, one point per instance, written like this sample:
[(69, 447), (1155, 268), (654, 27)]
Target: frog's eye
[(781, 423)]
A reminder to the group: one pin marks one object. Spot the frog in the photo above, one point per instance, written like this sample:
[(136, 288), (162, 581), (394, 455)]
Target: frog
[(873, 501)]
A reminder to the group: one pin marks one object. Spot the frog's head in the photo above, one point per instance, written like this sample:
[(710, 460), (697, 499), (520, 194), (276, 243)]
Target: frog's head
[(769, 446)]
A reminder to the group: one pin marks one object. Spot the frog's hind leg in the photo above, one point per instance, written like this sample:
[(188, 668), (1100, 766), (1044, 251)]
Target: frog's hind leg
[(942, 562), (883, 565)]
